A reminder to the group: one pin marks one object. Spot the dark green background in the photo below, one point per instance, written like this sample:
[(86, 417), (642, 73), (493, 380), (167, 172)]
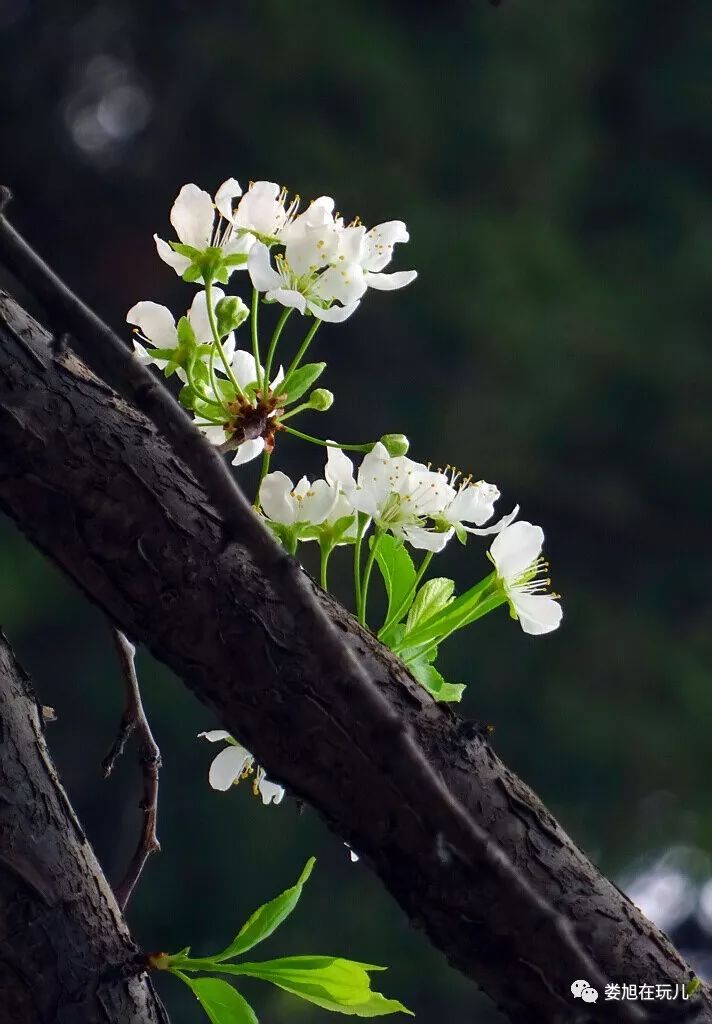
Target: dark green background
[(552, 164)]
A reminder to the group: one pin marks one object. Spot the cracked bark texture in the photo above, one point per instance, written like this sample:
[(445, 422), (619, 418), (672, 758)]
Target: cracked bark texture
[(89, 481), (64, 946)]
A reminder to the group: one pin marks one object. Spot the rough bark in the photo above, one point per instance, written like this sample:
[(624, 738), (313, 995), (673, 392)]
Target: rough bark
[(88, 480), (66, 956)]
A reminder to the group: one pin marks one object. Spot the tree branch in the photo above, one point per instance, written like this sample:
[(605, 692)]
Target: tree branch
[(134, 718), (93, 485), (65, 951)]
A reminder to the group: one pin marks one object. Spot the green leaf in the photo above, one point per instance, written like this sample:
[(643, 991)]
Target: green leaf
[(343, 986), (267, 918), (692, 986), (435, 595), (222, 1003), (398, 572), (429, 677), (299, 382), (473, 604)]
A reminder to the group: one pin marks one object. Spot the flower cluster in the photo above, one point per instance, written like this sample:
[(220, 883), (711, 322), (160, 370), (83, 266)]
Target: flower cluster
[(305, 258), (309, 261)]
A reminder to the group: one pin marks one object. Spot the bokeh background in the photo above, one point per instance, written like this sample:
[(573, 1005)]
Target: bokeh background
[(552, 164)]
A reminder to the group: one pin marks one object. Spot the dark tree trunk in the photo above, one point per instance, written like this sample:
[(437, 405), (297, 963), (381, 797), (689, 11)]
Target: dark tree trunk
[(66, 956), (90, 482)]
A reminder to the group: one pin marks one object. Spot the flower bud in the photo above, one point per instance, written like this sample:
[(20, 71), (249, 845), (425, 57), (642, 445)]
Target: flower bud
[(230, 312), (321, 399), (395, 444)]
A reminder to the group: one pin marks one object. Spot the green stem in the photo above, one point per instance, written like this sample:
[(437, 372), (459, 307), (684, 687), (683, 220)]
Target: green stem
[(216, 336), (295, 410), (266, 456), (330, 444), (367, 577), (362, 520), (214, 381), (406, 602), (300, 353), (326, 550), (255, 341), (272, 347)]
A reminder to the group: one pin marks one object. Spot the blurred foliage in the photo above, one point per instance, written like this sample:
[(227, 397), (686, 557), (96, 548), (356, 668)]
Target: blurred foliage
[(553, 168)]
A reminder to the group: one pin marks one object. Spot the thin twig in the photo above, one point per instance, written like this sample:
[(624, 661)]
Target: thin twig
[(134, 718), (411, 770)]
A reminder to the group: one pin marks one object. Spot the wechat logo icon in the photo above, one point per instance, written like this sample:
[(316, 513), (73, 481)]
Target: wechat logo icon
[(582, 990)]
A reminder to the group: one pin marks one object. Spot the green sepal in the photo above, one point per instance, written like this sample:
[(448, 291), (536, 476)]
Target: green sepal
[(189, 251), (235, 259), (192, 274), (299, 382), (333, 533)]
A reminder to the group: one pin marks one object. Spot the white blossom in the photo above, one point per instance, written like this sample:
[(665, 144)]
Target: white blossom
[(193, 217), (516, 554), (474, 502), (302, 277), (400, 495), (234, 763), (376, 251), (157, 327), (286, 504)]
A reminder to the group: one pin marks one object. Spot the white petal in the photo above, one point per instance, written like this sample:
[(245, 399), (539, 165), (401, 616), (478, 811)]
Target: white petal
[(278, 378), (425, 540), (270, 792), (224, 196), (262, 274), (318, 502), (248, 451), (192, 216), (516, 547), (537, 613), (339, 469), (213, 433), (143, 357), (228, 766), (244, 367), (198, 315), (334, 314), (239, 244), (213, 735), (288, 297), (155, 322), (260, 208), (344, 283), (389, 282), (276, 498), (497, 527), (379, 243), (174, 259), (473, 503)]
